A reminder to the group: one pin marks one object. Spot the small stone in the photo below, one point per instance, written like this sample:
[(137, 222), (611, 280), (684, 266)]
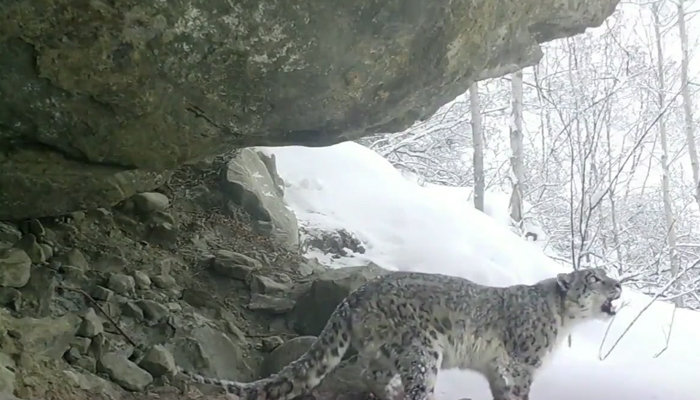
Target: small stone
[(72, 355), (119, 299), (119, 345), (174, 307), (100, 345), (7, 361), (87, 363), (15, 268), (308, 267), (7, 377), (274, 305), (263, 228), (233, 271), (35, 227), (157, 296), (164, 281), (158, 361), (168, 265), (173, 293), (71, 272), (91, 325), (143, 282), (110, 262), (72, 378), (150, 201), (163, 234), (30, 246), (9, 233), (11, 297), (73, 257), (199, 298), (271, 343), (132, 310), (49, 236), (7, 383), (264, 285), (285, 353), (48, 250), (159, 217), (153, 311), (122, 284), (82, 344), (102, 293), (175, 322), (137, 354), (40, 291), (124, 372), (234, 265), (78, 216)]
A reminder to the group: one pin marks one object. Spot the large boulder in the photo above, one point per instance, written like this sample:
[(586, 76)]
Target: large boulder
[(315, 306), (42, 337), (97, 98), (250, 183)]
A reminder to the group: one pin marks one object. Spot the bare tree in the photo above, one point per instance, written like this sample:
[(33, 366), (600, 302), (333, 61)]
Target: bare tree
[(687, 102), (593, 191), (478, 145), (666, 189), (516, 147)]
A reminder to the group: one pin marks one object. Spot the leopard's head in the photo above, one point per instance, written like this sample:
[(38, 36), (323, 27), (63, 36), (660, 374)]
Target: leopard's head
[(589, 293)]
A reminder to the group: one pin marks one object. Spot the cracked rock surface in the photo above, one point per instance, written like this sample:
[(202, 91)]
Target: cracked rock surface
[(99, 100), (109, 313)]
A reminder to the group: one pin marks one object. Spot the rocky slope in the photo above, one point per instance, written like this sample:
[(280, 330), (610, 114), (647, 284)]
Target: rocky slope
[(100, 99), (204, 273)]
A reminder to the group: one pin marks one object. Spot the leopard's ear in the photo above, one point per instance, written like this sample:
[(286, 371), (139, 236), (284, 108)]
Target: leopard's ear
[(564, 281)]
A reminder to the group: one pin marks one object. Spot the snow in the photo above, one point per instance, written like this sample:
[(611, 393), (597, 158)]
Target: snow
[(435, 229)]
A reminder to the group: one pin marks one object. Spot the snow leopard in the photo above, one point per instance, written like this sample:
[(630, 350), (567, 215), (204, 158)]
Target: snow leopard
[(407, 326)]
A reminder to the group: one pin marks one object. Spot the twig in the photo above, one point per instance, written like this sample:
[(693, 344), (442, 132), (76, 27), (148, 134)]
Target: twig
[(668, 335), (636, 318), (607, 330), (96, 304)]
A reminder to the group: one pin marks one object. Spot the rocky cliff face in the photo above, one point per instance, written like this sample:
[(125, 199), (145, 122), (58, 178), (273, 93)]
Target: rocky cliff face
[(203, 273), (98, 99)]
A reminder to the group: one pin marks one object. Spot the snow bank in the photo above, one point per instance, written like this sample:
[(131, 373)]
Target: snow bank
[(434, 229)]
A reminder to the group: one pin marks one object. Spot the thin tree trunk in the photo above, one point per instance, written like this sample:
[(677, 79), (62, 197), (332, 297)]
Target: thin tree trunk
[(478, 144), (611, 196), (687, 103), (668, 208), (516, 146)]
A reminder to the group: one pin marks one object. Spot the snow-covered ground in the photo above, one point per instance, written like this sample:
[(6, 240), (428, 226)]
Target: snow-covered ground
[(434, 229)]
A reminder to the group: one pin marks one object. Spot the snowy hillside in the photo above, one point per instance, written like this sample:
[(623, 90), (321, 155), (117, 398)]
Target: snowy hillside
[(404, 226)]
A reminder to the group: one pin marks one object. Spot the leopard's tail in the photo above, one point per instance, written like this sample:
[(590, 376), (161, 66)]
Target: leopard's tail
[(302, 375)]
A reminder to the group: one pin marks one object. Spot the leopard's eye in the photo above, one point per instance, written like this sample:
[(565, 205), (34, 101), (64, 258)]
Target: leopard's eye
[(592, 278)]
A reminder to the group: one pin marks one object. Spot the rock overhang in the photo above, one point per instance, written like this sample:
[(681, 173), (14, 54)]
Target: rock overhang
[(100, 100)]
